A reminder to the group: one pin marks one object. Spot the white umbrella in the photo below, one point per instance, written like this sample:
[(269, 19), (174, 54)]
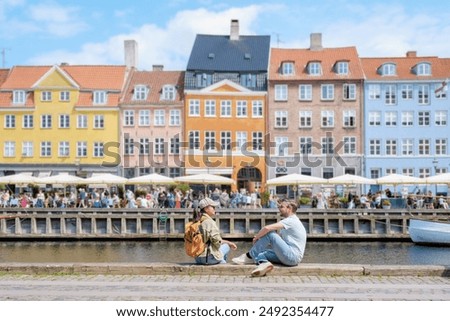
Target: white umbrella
[(18, 179), (151, 179), (205, 179), (349, 179), (295, 179), (396, 179), (63, 179), (438, 179), (108, 179)]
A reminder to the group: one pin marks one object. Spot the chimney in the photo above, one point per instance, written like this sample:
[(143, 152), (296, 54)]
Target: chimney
[(411, 54), (131, 53), (234, 31), (158, 67), (316, 42)]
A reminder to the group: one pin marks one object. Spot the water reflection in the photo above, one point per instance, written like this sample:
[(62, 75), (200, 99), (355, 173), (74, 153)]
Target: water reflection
[(173, 252)]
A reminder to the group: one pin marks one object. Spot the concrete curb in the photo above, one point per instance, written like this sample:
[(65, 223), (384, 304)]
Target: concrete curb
[(222, 269)]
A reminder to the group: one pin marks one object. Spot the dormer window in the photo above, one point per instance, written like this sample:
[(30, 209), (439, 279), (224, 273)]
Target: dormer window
[(19, 97), (424, 69), (100, 97), (388, 70), (342, 67), (140, 92), (168, 92), (287, 68), (314, 68)]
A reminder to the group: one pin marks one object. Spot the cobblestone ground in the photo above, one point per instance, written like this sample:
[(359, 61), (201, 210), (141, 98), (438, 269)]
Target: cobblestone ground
[(213, 287)]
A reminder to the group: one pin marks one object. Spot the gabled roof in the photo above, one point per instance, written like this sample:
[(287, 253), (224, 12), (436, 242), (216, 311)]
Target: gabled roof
[(220, 54), (57, 69), (154, 80), (327, 58), (440, 68)]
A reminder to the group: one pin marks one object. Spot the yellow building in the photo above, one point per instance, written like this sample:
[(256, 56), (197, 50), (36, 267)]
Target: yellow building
[(60, 119)]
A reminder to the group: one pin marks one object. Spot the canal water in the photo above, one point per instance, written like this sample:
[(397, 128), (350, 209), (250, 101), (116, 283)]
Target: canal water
[(378, 253)]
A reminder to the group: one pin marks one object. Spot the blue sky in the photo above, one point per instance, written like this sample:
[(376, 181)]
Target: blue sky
[(92, 31)]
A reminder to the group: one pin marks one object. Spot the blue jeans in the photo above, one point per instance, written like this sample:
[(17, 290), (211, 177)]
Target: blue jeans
[(271, 247), (224, 248)]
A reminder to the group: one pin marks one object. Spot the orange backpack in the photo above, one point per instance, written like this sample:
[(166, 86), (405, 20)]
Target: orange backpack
[(194, 244)]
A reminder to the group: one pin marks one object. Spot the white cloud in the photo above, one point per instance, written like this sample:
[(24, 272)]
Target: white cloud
[(169, 46)]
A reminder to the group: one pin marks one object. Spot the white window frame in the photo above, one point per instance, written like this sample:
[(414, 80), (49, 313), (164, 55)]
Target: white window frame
[(257, 109), (100, 97), (64, 149), (407, 146), (374, 92), (315, 68), (241, 109), (99, 121), (349, 145), (82, 149), (390, 147), (210, 140), (440, 146), (128, 117), (10, 121), (423, 94), (407, 118), (140, 92), (440, 117), (168, 93), (281, 119), (305, 119), (349, 118), (342, 67), (390, 92), (225, 140), (281, 92), (82, 121), (327, 92), (423, 146), (327, 119), (159, 117), (281, 146), (9, 149), (194, 107), (349, 91), (210, 108), (305, 92), (194, 139), (27, 149), (46, 149), (144, 117), (390, 118), (257, 140), (98, 150), (375, 118), (28, 121), (46, 96), (305, 145), (46, 121), (19, 97), (374, 146), (287, 68), (64, 121), (225, 108), (174, 117), (64, 95), (241, 140), (406, 91)]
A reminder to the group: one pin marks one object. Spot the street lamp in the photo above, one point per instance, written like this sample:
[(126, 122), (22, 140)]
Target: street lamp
[(435, 166)]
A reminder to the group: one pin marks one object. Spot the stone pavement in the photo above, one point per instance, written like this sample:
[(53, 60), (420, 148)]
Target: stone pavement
[(185, 282)]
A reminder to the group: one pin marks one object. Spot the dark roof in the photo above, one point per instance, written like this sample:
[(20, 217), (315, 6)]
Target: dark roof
[(219, 53)]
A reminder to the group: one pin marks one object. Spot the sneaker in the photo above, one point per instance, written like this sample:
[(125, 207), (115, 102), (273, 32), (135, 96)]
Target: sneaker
[(262, 269), (243, 259)]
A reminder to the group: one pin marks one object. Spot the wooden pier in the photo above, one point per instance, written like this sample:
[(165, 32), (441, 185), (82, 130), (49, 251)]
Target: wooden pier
[(78, 224)]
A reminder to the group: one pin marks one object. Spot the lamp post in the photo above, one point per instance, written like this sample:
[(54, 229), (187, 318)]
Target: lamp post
[(435, 166), (77, 165)]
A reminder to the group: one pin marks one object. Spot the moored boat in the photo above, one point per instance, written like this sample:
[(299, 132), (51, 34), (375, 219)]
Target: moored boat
[(429, 232)]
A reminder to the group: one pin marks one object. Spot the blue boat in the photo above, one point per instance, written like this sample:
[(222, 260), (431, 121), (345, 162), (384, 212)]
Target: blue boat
[(429, 232)]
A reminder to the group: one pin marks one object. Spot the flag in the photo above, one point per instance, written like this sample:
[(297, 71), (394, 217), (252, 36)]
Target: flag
[(443, 87)]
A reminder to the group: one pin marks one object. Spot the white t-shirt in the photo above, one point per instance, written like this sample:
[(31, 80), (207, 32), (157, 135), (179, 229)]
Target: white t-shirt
[(294, 234)]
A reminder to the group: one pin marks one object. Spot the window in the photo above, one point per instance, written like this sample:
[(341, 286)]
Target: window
[(327, 92), (305, 119), (327, 172), (408, 171), (374, 147), (203, 80), (349, 91), (391, 147), (19, 97), (98, 149), (375, 173), (194, 139), (424, 146), (287, 68), (305, 92), (210, 108), (46, 96), (281, 145), (99, 122), (128, 146), (424, 94), (390, 118), (81, 149), (100, 97), (314, 69), (407, 118), (175, 145), (28, 121), (327, 145), (281, 92), (210, 140), (144, 146), (374, 118), (168, 92), (388, 70), (225, 140), (64, 121), (407, 146), (390, 94), (144, 117), (424, 69), (305, 145), (140, 92), (257, 108), (159, 146), (248, 80), (281, 119), (390, 171), (374, 92), (46, 149), (64, 149), (342, 67), (349, 117), (27, 149), (46, 121), (160, 117), (194, 107), (440, 118), (225, 108), (82, 121), (327, 117), (10, 149), (424, 172), (10, 121), (257, 140), (128, 117), (350, 145), (441, 146), (64, 96), (175, 117), (424, 118), (241, 108), (407, 91), (241, 141)]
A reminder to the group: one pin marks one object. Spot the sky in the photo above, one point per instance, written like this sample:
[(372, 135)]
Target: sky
[(93, 31)]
